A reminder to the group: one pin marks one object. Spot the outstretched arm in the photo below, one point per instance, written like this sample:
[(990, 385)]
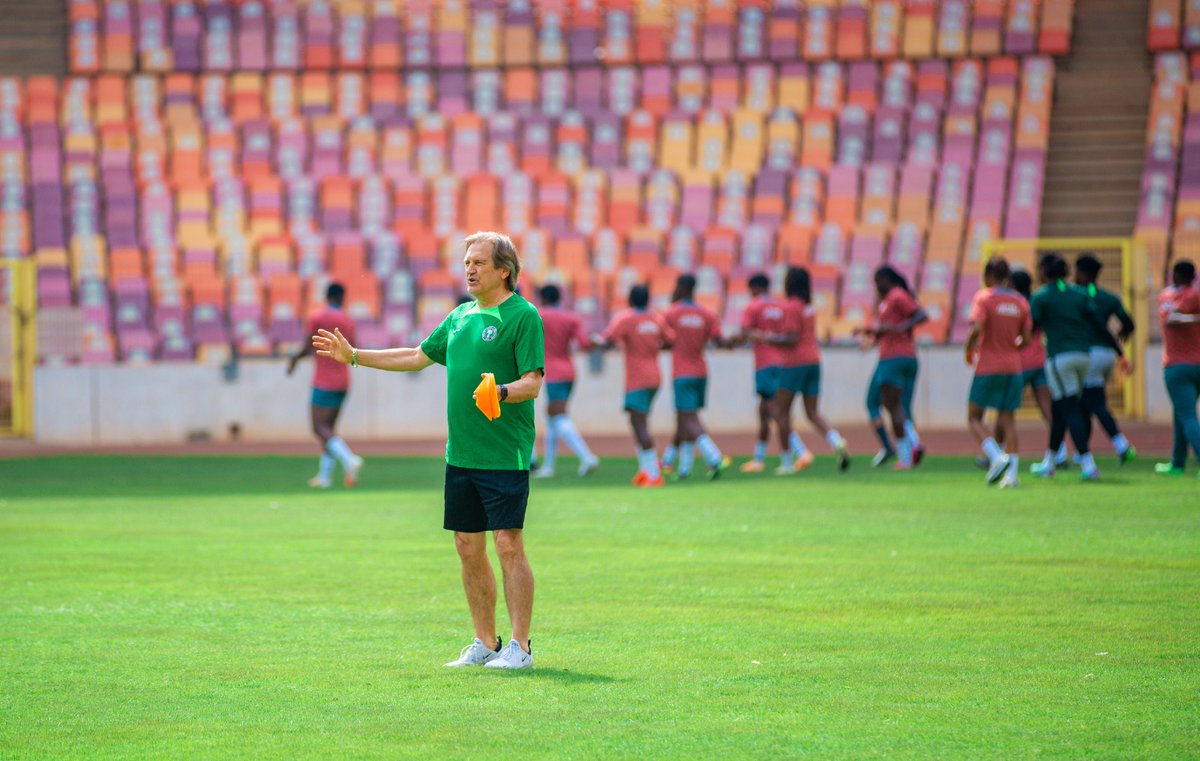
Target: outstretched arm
[(335, 346)]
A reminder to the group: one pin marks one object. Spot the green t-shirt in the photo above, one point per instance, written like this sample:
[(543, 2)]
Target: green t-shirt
[(1059, 309), (1107, 305), (507, 341)]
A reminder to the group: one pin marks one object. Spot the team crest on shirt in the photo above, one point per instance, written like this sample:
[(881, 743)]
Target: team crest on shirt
[(489, 333)]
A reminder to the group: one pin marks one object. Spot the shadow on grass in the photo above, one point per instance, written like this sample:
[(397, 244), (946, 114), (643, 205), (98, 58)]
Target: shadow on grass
[(564, 675)]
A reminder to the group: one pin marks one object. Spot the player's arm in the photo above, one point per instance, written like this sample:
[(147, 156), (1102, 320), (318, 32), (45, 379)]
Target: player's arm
[(973, 341), (300, 354), (916, 318), (1096, 321), (1127, 325), (335, 346), (527, 387)]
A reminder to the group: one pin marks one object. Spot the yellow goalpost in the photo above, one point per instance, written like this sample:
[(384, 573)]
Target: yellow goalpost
[(1124, 273), (18, 345)]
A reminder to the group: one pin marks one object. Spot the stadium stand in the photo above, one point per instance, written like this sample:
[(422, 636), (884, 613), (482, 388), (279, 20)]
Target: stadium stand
[(207, 167)]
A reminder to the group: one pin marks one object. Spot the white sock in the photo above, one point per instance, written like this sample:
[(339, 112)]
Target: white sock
[(904, 451), (910, 432), (341, 451), (834, 438), (1048, 460), (567, 431), (991, 449), (550, 447), (687, 455), (1120, 443), (1061, 457), (796, 444), (1013, 465), (785, 459), (709, 450), (1087, 463), (760, 451), (648, 462), (325, 467), (668, 457)]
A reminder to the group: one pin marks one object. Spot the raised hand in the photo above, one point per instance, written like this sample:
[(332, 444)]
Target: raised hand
[(333, 345)]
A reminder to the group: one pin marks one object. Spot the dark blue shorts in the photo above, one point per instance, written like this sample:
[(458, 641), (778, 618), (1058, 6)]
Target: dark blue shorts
[(485, 500), (326, 399)]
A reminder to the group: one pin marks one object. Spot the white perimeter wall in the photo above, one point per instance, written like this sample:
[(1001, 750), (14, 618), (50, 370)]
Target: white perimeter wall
[(170, 402)]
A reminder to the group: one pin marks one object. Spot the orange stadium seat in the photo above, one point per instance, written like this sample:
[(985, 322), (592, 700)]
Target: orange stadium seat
[(887, 19), (953, 27), (1057, 19), (987, 27), (851, 34), (919, 29)]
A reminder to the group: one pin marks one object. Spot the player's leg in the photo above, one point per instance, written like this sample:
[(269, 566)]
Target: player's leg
[(334, 444), (1183, 388), (688, 429), (836, 441), (479, 582), (518, 582), (908, 369), (554, 409), (1095, 401), (637, 403), (565, 430), (1041, 394), (781, 406), (1007, 422), (1072, 370), (671, 452), (892, 398), (322, 428), (466, 517), (875, 414), (983, 396), (766, 414)]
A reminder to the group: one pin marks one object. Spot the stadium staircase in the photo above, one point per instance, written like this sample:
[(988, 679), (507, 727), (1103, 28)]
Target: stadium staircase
[(1098, 123), (33, 37)]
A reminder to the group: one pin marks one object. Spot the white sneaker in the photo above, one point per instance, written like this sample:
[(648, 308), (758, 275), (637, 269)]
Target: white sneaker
[(997, 468), (1010, 481), (317, 482), (512, 657), (543, 473), (785, 470), (587, 467), (350, 477), (475, 654)]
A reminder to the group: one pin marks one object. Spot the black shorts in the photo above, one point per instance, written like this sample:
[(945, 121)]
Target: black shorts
[(485, 500)]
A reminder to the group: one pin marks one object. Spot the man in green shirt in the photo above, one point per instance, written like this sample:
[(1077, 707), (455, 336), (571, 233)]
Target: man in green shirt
[(1103, 359), (1068, 321), (487, 462)]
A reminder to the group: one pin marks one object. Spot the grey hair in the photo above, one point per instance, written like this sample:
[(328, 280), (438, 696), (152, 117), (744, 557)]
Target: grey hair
[(504, 254)]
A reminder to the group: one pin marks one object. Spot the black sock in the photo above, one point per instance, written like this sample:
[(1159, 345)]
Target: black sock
[(1095, 401), (1074, 415), (1058, 425)]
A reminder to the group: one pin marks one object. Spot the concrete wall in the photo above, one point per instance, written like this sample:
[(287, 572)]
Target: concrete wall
[(170, 403)]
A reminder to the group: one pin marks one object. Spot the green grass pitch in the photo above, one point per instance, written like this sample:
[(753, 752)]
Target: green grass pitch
[(214, 607)]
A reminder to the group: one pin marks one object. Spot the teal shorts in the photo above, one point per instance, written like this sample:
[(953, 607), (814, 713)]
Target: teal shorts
[(767, 381), (803, 379), (690, 394), (874, 398), (559, 391), (1035, 378), (997, 392), (640, 399), (326, 399)]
